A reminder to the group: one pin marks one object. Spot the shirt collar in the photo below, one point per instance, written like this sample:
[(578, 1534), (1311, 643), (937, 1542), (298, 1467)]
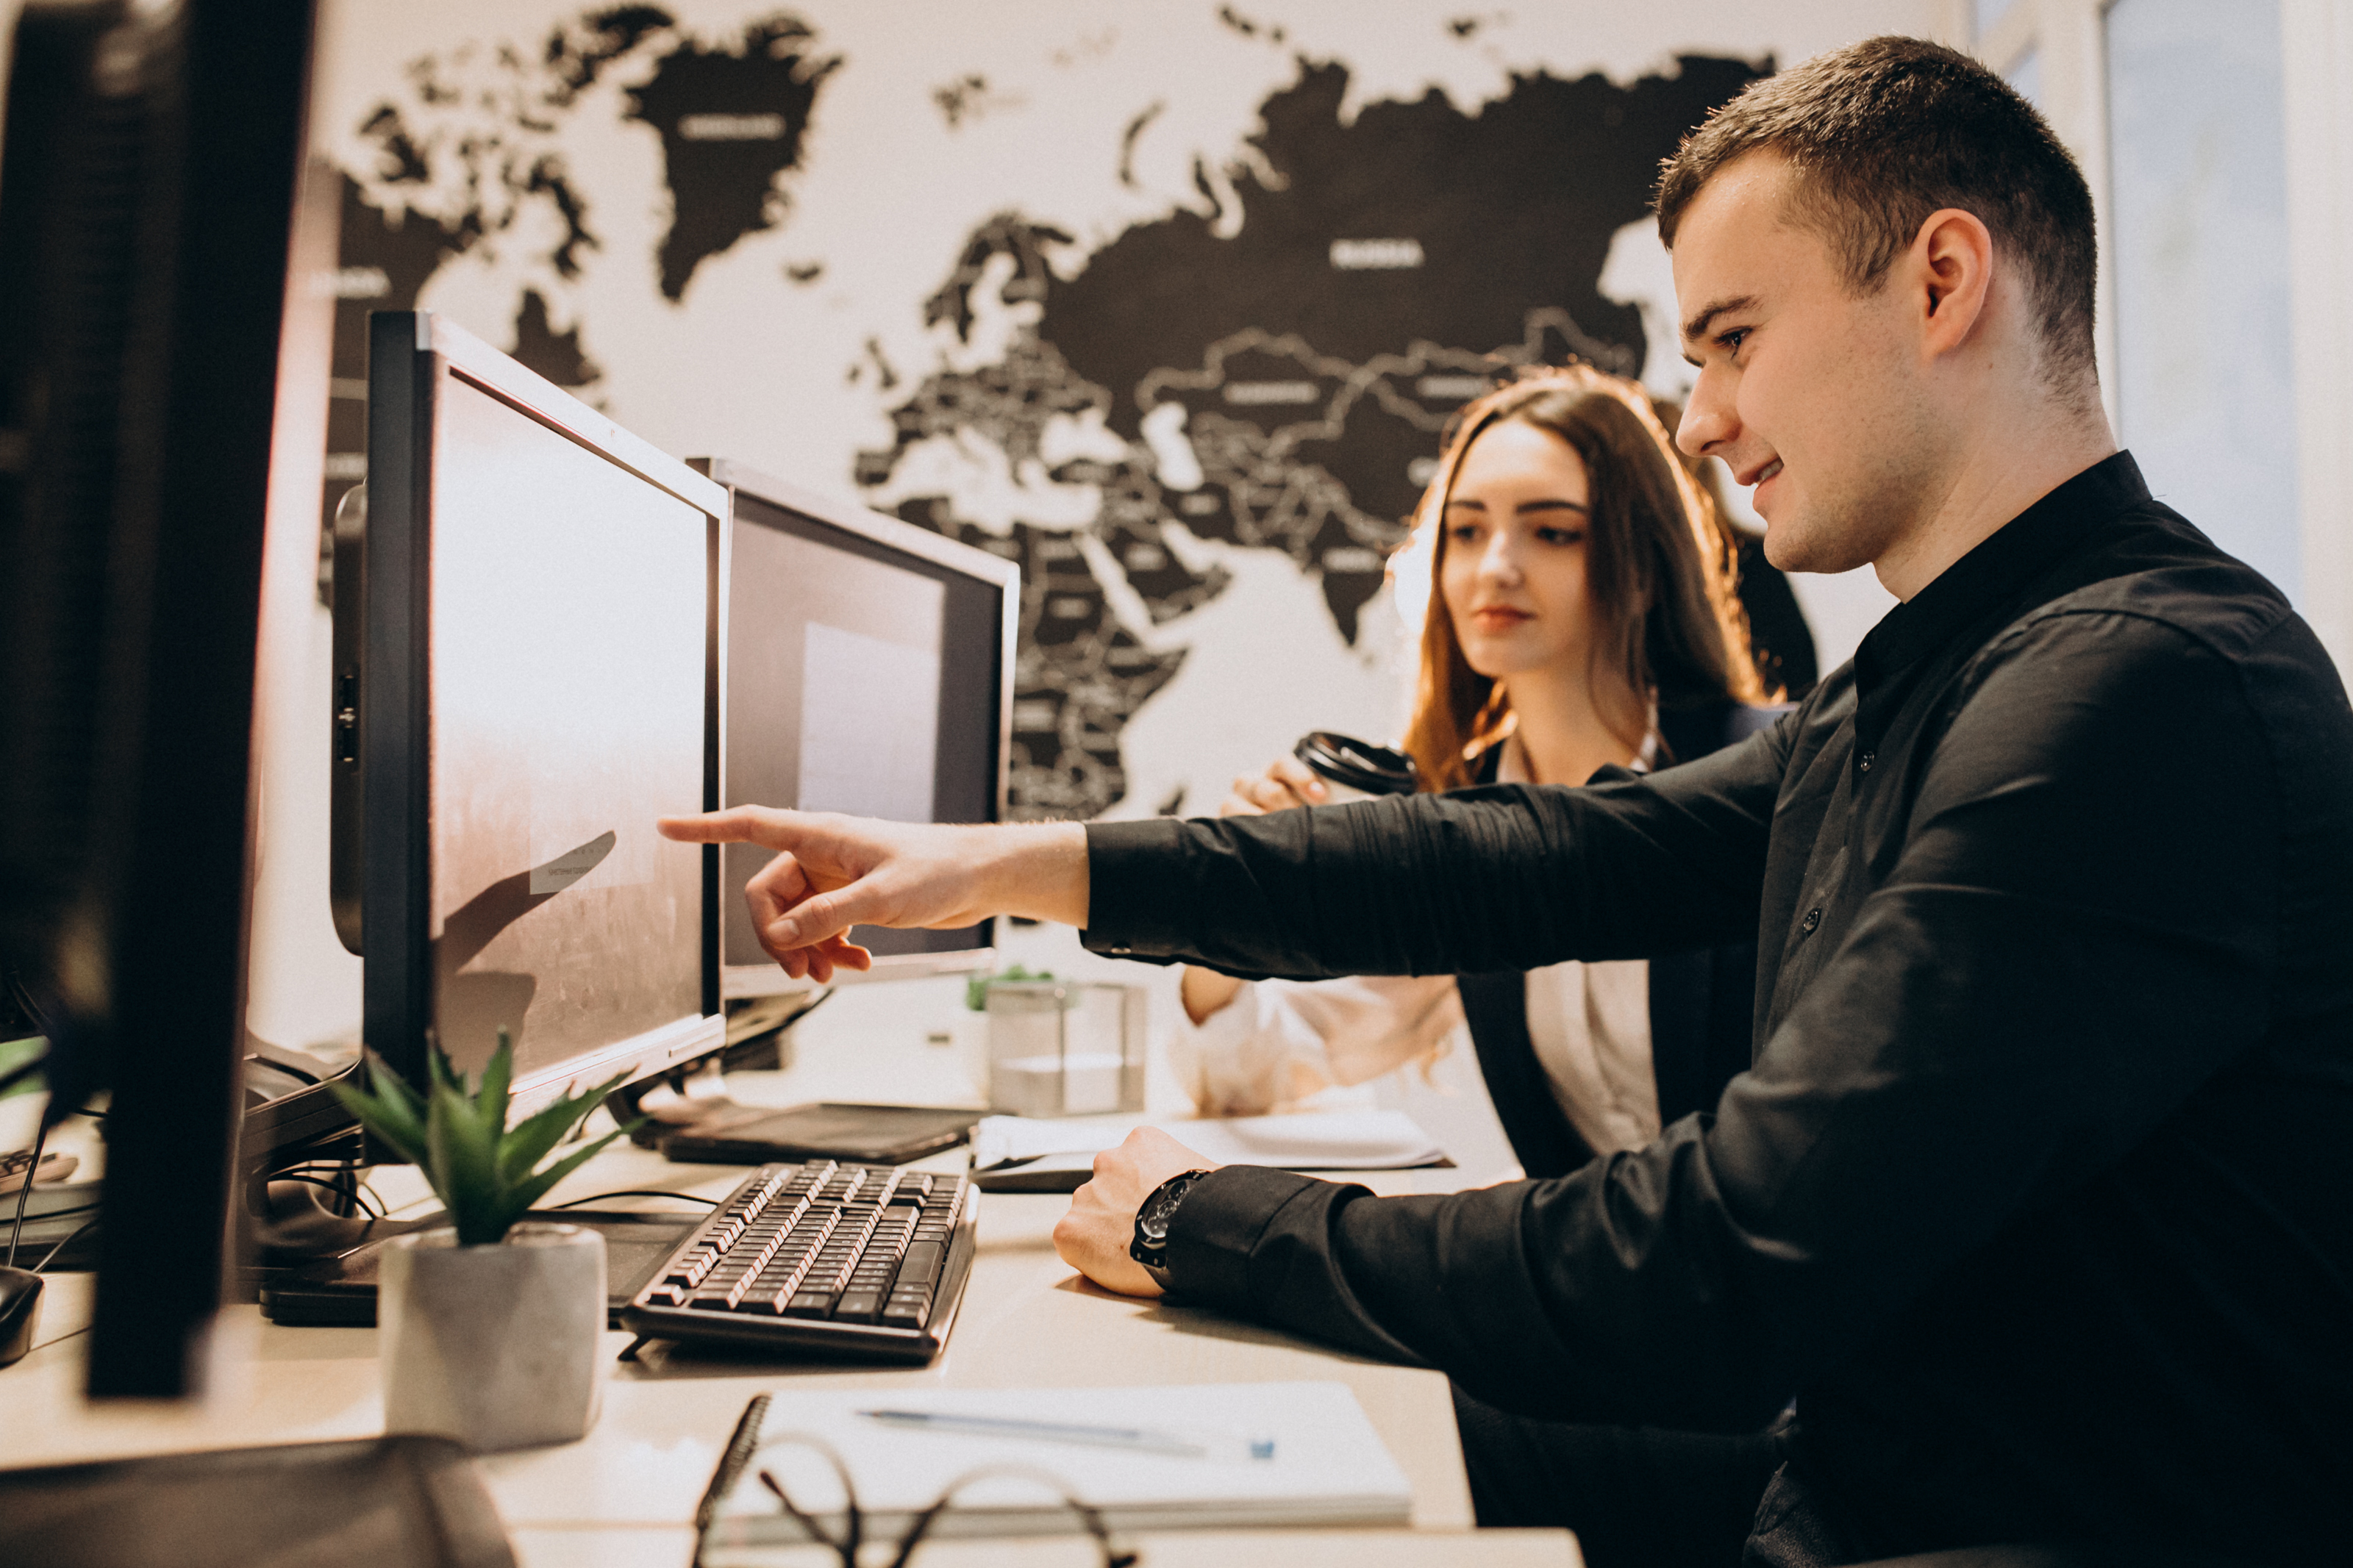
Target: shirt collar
[(1999, 568)]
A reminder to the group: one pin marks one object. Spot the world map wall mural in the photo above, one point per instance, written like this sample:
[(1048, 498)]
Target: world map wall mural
[(1163, 352)]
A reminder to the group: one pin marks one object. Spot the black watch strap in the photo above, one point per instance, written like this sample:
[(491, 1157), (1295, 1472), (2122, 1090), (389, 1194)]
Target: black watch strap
[(1150, 1246)]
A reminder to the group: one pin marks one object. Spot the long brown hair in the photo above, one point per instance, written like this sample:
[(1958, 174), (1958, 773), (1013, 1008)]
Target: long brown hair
[(1658, 584)]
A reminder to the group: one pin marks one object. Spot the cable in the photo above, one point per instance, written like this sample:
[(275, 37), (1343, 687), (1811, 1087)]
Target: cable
[(348, 1193), (71, 1237), (25, 1192), (633, 1192), (30, 1008)]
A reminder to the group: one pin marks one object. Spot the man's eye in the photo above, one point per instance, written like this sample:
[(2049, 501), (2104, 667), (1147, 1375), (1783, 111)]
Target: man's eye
[(1730, 342)]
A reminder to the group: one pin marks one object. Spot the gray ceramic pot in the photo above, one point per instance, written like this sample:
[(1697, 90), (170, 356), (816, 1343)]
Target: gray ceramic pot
[(500, 1346)]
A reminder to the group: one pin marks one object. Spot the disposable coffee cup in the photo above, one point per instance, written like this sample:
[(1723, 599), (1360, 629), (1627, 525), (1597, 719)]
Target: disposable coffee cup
[(1356, 770)]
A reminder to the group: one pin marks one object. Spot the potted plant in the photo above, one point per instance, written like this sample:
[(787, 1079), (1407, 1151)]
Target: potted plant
[(492, 1327)]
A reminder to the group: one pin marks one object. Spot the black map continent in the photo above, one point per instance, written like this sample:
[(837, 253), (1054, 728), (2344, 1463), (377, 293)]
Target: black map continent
[(732, 118), (1377, 275)]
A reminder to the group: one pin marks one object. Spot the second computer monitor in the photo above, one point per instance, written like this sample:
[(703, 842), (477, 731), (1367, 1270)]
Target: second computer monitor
[(869, 670)]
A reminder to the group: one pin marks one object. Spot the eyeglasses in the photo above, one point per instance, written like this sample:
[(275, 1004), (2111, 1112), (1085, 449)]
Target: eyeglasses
[(853, 1523)]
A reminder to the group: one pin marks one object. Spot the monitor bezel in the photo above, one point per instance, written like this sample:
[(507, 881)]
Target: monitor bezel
[(746, 980), (413, 356)]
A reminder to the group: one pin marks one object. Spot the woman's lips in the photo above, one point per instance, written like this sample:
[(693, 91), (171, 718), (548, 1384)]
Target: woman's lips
[(1497, 618)]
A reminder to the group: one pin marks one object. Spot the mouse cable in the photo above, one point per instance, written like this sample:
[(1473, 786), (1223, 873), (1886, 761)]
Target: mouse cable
[(25, 1192)]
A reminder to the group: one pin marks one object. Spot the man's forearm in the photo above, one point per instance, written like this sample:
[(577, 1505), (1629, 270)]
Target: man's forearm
[(1038, 871)]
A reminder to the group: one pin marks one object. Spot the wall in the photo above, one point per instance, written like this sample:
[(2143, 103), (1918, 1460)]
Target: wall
[(2206, 349)]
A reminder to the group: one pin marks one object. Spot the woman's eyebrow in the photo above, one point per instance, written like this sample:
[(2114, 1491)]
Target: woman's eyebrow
[(1555, 505)]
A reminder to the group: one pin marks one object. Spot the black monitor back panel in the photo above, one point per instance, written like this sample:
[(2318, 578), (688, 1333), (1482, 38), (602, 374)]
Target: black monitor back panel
[(146, 208)]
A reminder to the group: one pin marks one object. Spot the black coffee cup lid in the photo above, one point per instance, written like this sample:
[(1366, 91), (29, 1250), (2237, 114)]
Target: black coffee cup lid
[(1359, 765)]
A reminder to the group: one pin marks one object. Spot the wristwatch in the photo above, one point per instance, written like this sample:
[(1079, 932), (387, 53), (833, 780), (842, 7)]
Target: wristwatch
[(1150, 1246)]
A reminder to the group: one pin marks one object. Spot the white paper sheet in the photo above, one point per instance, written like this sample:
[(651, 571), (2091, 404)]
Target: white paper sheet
[(1308, 1141), (1328, 1466)]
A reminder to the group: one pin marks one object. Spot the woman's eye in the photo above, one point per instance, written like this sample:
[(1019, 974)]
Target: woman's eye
[(1561, 535), (1462, 532)]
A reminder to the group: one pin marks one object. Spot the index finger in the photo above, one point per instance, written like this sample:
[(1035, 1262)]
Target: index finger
[(736, 825)]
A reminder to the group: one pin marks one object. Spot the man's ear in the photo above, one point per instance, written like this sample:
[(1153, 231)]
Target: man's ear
[(1951, 269)]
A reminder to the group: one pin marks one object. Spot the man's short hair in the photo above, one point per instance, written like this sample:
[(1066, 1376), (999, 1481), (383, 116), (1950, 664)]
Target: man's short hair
[(1881, 133)]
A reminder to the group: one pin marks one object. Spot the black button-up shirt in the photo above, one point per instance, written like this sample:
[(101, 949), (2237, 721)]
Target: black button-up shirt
[(2039, 1194)]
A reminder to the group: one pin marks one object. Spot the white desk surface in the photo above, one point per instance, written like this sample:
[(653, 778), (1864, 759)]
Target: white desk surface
[(625, 1494)]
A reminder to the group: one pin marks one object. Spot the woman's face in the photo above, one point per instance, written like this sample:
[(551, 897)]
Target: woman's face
[(1513, 571)]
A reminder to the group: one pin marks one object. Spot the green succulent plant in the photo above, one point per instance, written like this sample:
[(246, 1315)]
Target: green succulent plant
[(975, 990), (483, 1171)]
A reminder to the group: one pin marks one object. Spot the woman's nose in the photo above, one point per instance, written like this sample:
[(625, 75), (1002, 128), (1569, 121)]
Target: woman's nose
[(1500, 561)]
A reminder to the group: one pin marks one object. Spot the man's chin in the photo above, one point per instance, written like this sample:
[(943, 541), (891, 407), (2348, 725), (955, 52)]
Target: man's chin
[(1798, 543)]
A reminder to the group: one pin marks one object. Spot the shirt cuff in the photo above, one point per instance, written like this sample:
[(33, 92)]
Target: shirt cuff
[(1216, 1226)]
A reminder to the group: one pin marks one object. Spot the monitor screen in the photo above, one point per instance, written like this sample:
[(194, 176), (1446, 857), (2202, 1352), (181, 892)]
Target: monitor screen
[(867, 671), (566, 701), (538, 684)]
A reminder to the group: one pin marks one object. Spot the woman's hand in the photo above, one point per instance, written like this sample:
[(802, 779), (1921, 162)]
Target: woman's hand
[(1287, 783), (1093, 1237)]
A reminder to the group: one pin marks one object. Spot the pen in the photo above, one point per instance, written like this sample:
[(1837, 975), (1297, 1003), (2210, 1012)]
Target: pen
[(739, 1452), (1188, 1444)]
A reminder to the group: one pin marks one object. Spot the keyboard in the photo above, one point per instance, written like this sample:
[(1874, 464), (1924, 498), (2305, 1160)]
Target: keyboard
[(858, 1261)]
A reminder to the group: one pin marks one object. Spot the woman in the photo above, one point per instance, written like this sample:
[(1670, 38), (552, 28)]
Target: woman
[(1580, 619)]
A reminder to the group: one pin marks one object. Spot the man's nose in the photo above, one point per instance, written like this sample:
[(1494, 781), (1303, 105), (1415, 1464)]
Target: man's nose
[(1708, 421)]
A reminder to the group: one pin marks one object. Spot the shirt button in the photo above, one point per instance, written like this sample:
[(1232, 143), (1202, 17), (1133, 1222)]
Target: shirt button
[(1864, 761), (1813, 917)]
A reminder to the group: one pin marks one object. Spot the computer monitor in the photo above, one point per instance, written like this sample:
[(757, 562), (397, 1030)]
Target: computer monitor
[(146, 210), (536, 680), (869, 669)]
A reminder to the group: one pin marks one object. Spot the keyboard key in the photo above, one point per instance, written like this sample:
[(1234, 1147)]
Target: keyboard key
[(858, 1307), (922, 1264), (809, 1304), (908, 1314)]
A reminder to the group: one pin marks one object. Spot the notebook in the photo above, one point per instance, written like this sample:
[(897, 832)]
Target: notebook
[(1327, 1465), (1017, 1154)]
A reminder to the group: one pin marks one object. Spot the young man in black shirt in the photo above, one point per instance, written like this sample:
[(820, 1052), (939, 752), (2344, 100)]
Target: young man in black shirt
[(2037, 1198)]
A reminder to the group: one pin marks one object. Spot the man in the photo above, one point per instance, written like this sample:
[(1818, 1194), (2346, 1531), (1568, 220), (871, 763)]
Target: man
[(2038, 1196)]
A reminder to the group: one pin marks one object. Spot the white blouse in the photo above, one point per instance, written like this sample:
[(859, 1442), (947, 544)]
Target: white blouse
[(1281, 1040)]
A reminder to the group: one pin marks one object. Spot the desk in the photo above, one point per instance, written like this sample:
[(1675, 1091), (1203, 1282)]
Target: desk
[(624, 1494)]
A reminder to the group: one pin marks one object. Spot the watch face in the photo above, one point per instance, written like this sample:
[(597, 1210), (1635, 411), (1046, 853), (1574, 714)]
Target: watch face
[(1152, 1224)]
